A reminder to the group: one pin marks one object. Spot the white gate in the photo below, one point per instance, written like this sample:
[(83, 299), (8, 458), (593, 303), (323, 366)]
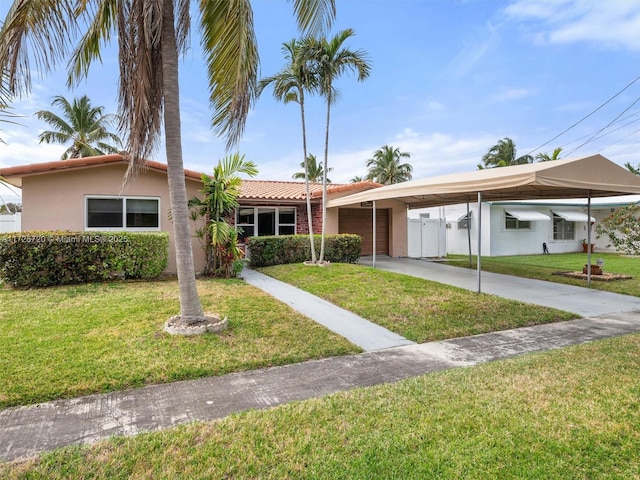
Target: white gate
[(10, 223), (427, 237)]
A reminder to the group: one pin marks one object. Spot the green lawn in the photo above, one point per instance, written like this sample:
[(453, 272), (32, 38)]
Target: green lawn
[(553, 415), (74, 340), (417, 309), (542, 267)]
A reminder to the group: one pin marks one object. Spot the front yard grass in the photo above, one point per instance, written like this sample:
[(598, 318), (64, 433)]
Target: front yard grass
[(75, 340), (568, 413), (542, 267), (417, 309)]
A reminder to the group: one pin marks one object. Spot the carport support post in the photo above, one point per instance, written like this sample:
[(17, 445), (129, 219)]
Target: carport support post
[(589, 239), (479, 237), (374, 234)]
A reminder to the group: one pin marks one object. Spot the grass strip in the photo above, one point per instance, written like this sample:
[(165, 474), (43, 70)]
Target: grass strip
[(417, 309), (569, 413), (543, 267)]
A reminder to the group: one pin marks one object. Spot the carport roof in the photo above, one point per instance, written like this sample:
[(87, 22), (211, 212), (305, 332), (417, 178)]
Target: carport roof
[(594, 175)]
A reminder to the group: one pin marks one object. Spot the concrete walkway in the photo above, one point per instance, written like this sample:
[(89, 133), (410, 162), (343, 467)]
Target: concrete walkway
[(26, 431), (357, 330), (585, 302)]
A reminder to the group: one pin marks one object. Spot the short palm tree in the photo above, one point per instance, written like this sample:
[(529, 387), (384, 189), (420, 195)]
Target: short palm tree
[(219, 200), (330, 59), (150, 35), (82, 125), (290, 85), (314, 171), (385, 166), (356, 179), (503, 154)]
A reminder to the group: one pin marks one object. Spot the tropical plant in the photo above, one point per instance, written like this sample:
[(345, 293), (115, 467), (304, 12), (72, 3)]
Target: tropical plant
[(150, 36), (219, 201), (622, 228), (356, 179), (289, 85), (82, 125), (385, 166), (545, 157), (503, 154), (313, 170), (330, 59), (632, 169)]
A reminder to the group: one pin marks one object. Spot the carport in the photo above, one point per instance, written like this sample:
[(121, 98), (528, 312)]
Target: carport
[(586, 177)]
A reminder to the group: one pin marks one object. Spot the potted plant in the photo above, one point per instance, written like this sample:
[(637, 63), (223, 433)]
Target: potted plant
[(584, 244)]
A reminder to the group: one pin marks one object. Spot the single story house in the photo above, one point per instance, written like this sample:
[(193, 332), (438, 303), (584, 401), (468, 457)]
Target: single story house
[(511, 227), (87, 194)]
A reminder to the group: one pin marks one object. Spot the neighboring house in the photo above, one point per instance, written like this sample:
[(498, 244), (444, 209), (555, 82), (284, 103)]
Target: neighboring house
[(513, 227), (87, 194)]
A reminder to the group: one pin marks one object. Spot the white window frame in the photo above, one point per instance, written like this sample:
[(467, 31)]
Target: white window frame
[(124, 227), (277, 218), (562, 221), (518, 226)]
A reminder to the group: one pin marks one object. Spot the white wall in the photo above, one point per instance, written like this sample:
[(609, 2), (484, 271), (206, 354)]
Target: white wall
[(10, 223), (498, 241)]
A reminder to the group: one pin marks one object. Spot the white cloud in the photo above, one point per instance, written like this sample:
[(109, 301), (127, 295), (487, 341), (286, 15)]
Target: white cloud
[(610, 23), (509, 94)]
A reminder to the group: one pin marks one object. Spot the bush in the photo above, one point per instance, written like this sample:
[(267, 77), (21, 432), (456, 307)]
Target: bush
[(266, 251), (41, 259)]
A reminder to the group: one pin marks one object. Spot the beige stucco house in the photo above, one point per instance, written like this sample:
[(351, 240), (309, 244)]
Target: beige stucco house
[(87, 194)]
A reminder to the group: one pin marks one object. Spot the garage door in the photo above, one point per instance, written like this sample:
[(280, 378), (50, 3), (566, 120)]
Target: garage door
[(360, 222)]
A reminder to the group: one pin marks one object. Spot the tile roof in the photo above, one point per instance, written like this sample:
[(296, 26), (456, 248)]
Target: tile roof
[(252, 190)]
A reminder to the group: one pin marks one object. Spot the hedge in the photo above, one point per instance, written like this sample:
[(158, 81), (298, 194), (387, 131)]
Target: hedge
[(278, 250), (45, 258)]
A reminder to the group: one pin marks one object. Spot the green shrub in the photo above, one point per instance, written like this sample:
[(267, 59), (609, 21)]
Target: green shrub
[(41, 259), (267, 251)]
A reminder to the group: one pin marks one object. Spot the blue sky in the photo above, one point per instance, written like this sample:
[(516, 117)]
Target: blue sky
[(449, 79)]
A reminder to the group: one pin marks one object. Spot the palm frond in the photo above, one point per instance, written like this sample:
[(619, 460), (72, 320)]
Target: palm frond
[(314, 17)]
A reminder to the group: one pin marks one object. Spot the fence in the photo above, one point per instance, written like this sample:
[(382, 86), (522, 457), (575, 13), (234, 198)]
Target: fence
[(10, 223)]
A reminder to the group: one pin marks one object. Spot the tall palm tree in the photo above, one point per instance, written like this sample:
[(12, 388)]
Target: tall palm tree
[(150, 36), (289, 85), (313, 170), (330, 59), (385, 166), (86, 127), (503, 154), (545, 157)]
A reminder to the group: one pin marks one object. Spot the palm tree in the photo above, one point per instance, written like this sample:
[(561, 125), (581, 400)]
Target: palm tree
[(149, 40), (545, 157), (220, 199), (385, 166), (313, 170), (503, 154), (86, 127), (356, 179), (632, 169), (289, 85), (330, 59)]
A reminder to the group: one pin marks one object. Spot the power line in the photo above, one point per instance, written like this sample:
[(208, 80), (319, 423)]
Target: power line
[(586, 116), (605, 127)]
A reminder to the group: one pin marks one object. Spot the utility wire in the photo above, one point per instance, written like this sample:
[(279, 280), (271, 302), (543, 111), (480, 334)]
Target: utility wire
[(586, 116), (605, 127)]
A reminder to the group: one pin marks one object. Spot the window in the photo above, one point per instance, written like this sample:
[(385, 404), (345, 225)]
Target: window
[(512, 223), (463, 221), (261, 221), (562, 229), (122, 213)]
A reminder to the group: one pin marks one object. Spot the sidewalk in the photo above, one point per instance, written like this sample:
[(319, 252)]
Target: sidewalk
[(29, 430)]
